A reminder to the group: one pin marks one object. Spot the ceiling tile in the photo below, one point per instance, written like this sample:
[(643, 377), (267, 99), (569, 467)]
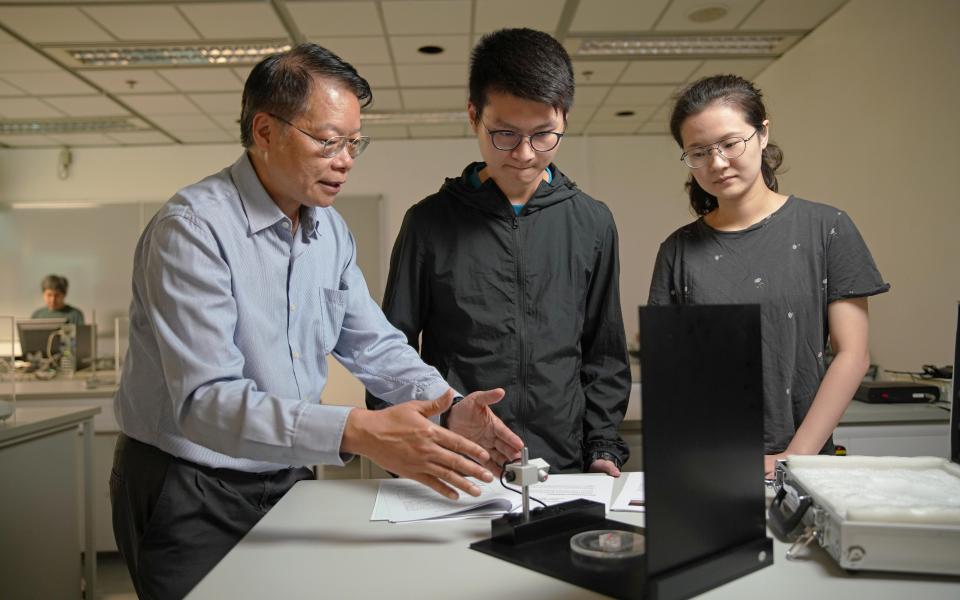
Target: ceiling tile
[(23, 141), (118, 81), (386, 132), (655, 127), (184, 122), (616, 15), (440, 130), (9, 90), (589, 95), (160, 104), (659, 71), (59, 24), (228, 122), (608, 113), (385, 100), (676, 16), (86, 106), (143, 22), (576, 121), (235, 20), (609, 128), (17, 57), (774, 15), (227, 103), (202, 79), (48, 82), (435, 99), (140, 137), (242, 72), (433, 75), (536, 14), (597, 71), (456, 49), (336, 18), (27, 108), (378, 76), (640, 94), (194, 136), (358, 50), (426, 16), (83, 139), (744, 67)]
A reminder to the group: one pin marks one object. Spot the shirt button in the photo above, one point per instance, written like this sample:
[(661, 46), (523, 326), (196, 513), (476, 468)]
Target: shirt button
[(286, 224), (296, 355), (293, 307)]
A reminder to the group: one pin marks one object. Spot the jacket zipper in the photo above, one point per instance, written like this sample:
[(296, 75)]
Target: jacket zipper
[(521, 328)]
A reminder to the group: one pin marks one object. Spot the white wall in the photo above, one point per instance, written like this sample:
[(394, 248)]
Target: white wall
[(864, 109)]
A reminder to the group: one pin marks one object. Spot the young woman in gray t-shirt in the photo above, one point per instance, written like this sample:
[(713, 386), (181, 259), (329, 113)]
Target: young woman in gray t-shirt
[(805, 263)]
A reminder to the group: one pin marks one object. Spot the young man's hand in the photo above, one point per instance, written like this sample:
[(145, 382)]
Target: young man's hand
[(602, 465), (403, 440), (473, 419)]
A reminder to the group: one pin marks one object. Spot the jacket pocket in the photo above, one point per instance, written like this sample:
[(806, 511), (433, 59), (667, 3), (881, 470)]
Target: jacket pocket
[(333, 306)]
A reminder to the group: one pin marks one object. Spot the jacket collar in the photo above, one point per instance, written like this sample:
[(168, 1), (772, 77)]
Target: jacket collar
[(490, 199)]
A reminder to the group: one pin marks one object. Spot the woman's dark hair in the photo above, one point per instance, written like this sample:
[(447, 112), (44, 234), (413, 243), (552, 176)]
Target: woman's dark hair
[(281, 83), (57, 283), (729, 89), (525, 63)]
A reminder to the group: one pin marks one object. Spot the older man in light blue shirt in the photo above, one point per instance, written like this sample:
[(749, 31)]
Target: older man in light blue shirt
[(243, 283)]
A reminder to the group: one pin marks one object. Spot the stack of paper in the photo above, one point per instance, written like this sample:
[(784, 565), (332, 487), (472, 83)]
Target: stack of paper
[(404, 500), (631, 496)]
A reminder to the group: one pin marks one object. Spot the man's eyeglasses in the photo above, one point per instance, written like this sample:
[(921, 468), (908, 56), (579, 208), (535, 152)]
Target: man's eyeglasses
[(330, 147), (729, 149), (506, 140)]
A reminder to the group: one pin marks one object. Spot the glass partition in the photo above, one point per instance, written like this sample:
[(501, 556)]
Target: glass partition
[(8, 372)]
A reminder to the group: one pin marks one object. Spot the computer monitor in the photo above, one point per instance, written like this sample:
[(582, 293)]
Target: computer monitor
[(35, 334)]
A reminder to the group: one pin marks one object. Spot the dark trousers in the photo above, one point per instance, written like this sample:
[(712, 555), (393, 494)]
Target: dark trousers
[(174, 520)]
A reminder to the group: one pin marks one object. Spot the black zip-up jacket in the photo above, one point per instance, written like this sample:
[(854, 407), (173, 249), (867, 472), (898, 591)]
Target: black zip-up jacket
[(529, 303)]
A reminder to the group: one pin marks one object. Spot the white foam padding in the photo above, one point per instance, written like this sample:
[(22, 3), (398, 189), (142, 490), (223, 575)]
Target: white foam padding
[(885, 489)]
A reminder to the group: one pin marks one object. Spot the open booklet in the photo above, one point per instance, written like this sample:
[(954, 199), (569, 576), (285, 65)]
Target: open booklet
[(405, 500)]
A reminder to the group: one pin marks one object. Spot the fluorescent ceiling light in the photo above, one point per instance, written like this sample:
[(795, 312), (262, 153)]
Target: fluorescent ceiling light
[(414, 118), (215, 54), (736, 46), (70, 125), (52, 205)]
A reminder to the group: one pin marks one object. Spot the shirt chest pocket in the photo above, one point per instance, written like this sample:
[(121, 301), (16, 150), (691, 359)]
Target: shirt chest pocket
[(333, 306)]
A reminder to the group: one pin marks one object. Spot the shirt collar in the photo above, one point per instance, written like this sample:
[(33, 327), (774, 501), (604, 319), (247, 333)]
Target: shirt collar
[(262, 212)]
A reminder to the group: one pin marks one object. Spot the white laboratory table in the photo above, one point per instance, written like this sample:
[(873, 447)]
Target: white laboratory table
[(80, 391), (319, 542), (39, 517)]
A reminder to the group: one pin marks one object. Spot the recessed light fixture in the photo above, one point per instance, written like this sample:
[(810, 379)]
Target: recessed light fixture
[(414, 118), (624, 113), (429, 49), (708, 14), (70, 125), (735, 45), (131, 56)]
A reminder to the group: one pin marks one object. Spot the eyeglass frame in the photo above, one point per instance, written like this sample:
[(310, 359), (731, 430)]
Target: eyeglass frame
[(521, 138), (342, 141), (683, 157)]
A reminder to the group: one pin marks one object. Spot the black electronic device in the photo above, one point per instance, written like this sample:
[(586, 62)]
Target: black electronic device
[(896, 392), (955, 401), (703, 462)]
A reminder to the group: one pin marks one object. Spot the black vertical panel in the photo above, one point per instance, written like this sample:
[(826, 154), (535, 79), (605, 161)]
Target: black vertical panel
[(955, 410), (702, 411)]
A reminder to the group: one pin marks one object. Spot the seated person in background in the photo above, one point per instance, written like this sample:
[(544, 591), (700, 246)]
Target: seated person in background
[(54, 289), (510, 272)]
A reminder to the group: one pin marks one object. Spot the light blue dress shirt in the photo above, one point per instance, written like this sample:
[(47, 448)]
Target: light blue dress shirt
[(231, 321)]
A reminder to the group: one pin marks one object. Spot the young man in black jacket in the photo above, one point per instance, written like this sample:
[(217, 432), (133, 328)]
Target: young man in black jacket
[(510, 272)]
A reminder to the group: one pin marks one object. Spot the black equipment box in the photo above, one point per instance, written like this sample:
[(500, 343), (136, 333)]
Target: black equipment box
[(890, 392)]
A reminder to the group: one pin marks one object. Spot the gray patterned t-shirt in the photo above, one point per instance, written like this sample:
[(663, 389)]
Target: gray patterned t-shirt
[(793, 263)]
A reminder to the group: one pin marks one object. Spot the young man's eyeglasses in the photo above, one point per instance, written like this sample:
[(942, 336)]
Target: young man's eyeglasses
[(506, 140), (332, 146), (729, 149)]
